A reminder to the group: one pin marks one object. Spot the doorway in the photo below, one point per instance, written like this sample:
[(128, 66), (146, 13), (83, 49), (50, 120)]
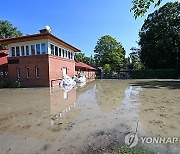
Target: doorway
[(64, 71)]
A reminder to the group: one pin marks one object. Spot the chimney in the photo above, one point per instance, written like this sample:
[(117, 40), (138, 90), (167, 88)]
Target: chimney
[(43, 31), (46, 30)]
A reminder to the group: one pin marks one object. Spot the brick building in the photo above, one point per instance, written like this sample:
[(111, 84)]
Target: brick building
[(3, 64), (89, 71), (37, 60)]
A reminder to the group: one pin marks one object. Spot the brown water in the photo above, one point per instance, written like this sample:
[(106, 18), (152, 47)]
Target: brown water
[(89, 119)]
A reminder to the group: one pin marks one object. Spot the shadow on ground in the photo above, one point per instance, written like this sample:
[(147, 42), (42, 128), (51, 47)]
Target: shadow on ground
[(158, 84)]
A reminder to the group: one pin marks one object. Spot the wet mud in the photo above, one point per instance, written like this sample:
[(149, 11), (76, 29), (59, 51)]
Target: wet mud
[(94, 118)]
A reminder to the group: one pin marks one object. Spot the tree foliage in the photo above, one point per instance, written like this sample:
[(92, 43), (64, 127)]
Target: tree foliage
[(83, 58), (107, 68), (7, 31), (134, 53), (160, 37), (135, 60), (140, 7), (109, 52)]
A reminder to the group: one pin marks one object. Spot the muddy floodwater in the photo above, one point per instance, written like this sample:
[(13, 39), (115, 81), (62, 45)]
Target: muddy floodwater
[(90, 118)]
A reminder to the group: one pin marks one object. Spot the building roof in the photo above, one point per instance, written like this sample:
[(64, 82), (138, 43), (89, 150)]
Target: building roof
[(40, 36), (3, 60), (84, 65), (3, 53)]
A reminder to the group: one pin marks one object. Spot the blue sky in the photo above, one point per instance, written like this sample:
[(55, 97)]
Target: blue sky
[(78, 22)]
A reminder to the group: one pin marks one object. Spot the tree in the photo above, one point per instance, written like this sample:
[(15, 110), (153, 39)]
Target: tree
[(7, 31), (107, 68), (134, 55), (140, 7), (109, 52), (82, 58), (160, 37), (126, 63), (135, 60)]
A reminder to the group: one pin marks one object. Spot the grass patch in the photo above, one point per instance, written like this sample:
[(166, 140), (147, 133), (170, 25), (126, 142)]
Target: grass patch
[(124, 149)]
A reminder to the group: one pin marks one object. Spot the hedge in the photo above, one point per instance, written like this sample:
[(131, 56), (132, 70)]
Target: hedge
[(155, 74), (4, 83)]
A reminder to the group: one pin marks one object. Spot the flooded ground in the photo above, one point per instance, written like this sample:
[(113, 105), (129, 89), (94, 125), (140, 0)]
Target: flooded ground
[(89, 119)]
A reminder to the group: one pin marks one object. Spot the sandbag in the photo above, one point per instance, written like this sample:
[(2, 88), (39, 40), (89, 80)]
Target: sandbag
[(67, 83)]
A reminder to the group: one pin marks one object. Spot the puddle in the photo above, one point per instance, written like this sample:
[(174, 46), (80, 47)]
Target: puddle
[(87, 118)]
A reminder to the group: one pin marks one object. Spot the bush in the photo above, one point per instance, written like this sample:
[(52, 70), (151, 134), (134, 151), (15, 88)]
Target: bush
[(154, 74), (18, 84), (178, 68), (4, 83)]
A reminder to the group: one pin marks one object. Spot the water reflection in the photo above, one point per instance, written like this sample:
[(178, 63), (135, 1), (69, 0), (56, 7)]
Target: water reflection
[(131, 98), (37, 112), (109, 95), (63, 105)]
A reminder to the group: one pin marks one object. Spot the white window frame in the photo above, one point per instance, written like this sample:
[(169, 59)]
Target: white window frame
[(63, 53), (16, 51), (60, 55), (29, 53), (34, 49), (18, 71), (37, 71), (21, 50), (53, 48), (39, 48), (71, 56), (66, 54), (27, 73), (45, 49)]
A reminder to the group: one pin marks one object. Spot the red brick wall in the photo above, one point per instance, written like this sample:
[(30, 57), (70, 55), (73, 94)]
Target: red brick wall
[(40, 61), (55, 68), (50, 70)]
